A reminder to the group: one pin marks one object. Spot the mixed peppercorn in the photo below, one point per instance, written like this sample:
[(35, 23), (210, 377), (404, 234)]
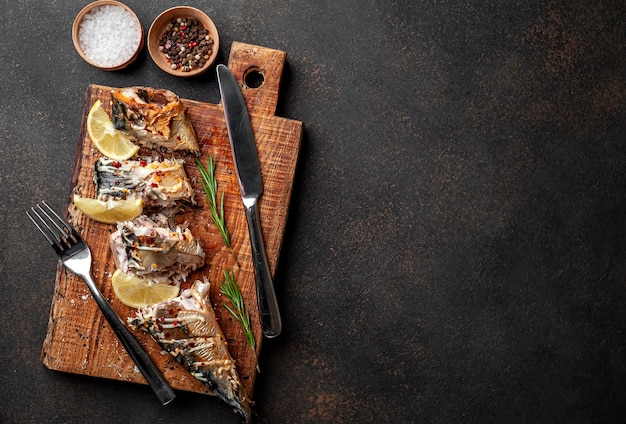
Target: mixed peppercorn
[(186, 44)]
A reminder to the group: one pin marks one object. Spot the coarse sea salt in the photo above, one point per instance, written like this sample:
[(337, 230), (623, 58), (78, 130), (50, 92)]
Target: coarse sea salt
[(109, 36)]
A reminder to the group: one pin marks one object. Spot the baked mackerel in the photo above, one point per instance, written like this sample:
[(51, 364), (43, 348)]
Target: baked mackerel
[(163, 186), (187, 329), (155, 118), (154, 248)]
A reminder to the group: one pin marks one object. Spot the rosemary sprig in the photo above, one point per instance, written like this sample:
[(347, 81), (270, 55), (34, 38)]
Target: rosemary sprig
[(238, 310), (229, 288), (209, 184)]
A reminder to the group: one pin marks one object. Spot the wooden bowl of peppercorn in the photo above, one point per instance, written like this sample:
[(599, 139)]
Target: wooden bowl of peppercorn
[(183, 41)]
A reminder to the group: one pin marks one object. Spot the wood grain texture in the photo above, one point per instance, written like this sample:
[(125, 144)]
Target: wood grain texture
[(78, 339)]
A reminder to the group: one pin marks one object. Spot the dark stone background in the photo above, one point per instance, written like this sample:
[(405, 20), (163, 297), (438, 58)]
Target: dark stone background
[(456, 246)]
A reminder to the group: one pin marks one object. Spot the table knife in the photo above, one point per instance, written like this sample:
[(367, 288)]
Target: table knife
[(248, 172)]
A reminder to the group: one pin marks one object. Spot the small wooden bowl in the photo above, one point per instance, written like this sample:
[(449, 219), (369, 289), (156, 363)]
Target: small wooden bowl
[(159, 26), (76, 31)]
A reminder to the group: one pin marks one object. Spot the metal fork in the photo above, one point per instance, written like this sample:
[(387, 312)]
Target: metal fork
[(76, 256)]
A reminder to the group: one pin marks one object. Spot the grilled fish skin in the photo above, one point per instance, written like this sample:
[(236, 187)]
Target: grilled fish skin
[(187, 329), (162, 186), (156, 118), (152, 248)]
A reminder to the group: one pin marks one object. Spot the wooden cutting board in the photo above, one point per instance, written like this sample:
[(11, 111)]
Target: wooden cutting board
[(79, 340)]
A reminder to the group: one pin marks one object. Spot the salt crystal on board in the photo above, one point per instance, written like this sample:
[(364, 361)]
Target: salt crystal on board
[(109, 36)]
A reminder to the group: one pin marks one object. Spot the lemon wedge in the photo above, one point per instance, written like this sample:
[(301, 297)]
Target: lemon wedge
[(111, 211), (111, 142), (137, 292)]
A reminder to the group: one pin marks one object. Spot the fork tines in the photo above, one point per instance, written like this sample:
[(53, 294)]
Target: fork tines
[(59, 233)]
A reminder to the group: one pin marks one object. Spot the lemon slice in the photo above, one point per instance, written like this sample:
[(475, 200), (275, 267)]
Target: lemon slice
[(137, 292), (111, 211), (111, 142)]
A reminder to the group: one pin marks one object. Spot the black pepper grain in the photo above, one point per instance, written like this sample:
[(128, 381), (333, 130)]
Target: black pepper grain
[(186, 44)]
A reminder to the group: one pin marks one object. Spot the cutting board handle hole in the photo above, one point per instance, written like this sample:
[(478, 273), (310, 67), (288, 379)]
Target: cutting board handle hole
[(253, 77)]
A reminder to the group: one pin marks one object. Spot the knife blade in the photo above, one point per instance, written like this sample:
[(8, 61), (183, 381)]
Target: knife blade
[(248, 172)]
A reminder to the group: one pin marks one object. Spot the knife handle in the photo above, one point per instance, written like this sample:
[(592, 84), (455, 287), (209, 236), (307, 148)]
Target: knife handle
[(268, 305)]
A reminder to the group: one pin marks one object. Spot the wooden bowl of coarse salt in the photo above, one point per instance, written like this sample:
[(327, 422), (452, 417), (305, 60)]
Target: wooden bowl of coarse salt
[(108, 35)]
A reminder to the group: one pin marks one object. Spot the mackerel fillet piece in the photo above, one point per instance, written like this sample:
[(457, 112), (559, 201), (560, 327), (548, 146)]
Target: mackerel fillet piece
[(187, 329)]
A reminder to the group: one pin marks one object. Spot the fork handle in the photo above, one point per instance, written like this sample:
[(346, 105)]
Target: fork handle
[(151, 373)]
